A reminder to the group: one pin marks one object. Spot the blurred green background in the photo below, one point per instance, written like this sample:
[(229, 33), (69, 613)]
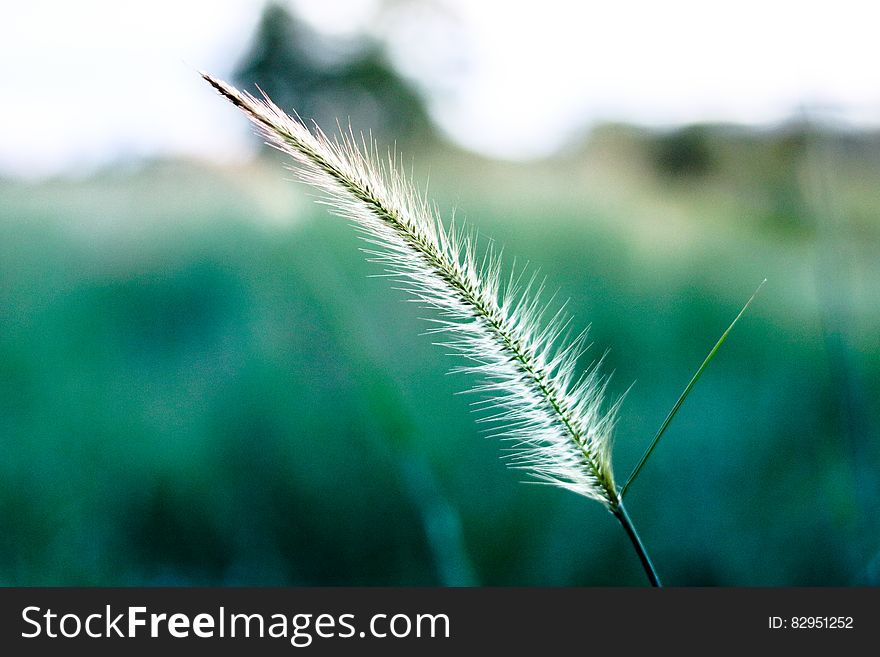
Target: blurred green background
[(201, 385)]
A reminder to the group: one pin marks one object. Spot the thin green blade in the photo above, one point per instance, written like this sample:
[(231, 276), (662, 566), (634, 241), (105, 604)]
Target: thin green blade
[(687, 390)]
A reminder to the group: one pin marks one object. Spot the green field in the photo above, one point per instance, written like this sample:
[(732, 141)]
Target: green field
[(201, 384)]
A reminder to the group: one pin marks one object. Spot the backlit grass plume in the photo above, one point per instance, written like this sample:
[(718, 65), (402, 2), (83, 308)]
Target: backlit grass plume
[(554, 418)]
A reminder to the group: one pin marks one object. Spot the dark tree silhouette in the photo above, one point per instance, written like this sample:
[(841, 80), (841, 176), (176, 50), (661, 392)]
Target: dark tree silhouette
[(328, 79)]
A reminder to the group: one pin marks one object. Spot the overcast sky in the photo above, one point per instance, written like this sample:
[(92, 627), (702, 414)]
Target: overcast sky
[(88, 82)]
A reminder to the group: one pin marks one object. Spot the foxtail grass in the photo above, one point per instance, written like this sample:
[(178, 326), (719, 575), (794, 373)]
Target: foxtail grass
[(520, 350)]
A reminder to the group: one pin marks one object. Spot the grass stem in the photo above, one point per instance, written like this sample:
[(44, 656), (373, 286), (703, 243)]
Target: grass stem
[(621, 514)]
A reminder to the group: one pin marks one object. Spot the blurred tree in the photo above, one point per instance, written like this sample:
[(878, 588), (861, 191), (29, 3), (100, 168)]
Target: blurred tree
[(328, 79), (684, 152)]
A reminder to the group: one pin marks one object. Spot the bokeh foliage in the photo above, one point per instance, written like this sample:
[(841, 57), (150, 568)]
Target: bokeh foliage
[(194, 391)]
